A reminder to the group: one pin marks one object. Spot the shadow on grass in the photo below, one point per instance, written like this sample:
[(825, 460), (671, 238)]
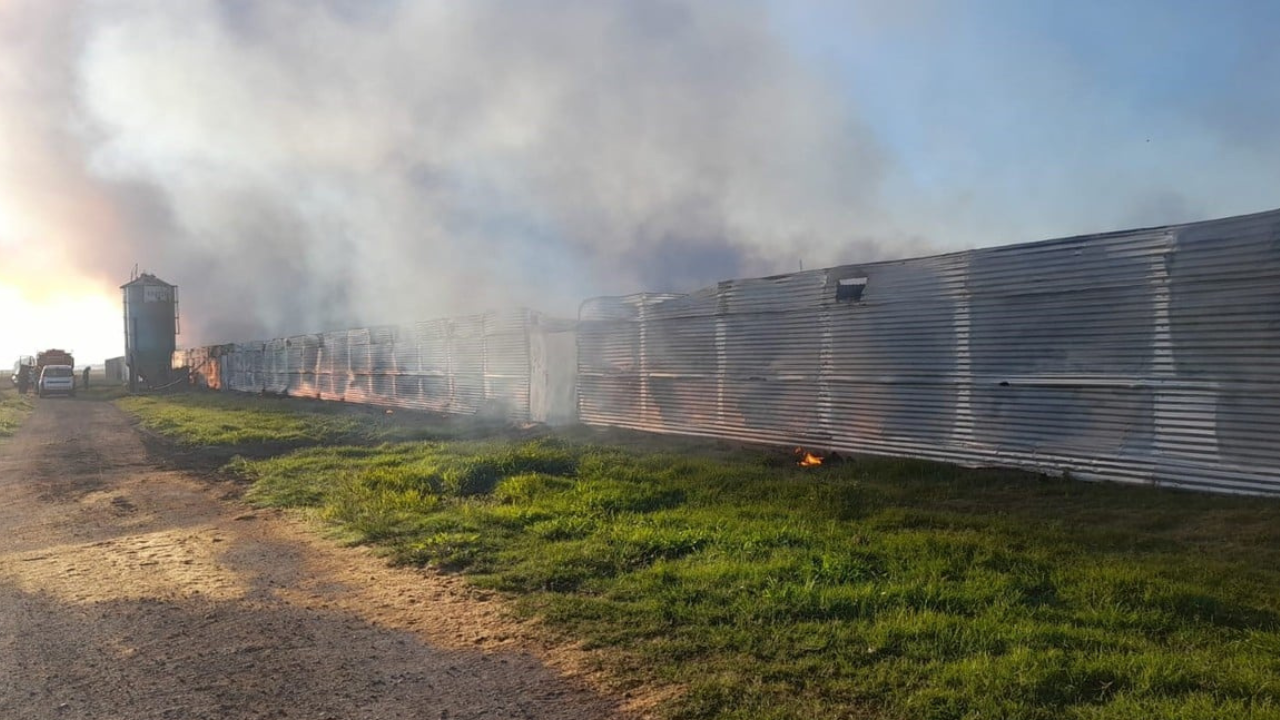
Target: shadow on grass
[(923, 589)]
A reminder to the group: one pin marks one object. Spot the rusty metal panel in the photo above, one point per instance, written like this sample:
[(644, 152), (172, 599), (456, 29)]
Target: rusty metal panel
[(1145, 356)]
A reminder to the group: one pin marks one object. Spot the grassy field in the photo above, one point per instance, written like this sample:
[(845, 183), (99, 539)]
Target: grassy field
[(866, 589), (226, 419), (100, 389), (13, 408)]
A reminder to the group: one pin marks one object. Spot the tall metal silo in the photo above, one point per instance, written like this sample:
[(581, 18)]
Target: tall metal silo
[(150, 330)]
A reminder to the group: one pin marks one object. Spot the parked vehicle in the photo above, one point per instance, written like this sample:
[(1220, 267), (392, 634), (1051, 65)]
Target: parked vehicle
[(56, 380), (54, 357)]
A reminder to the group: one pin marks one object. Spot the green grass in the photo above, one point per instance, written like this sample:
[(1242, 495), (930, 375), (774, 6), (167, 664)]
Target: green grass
[(101, 389), (227, 419), (13, 409), (875, 588)]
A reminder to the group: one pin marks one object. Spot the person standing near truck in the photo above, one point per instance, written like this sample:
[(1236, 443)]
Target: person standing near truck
[(86, 377), (24, 379)]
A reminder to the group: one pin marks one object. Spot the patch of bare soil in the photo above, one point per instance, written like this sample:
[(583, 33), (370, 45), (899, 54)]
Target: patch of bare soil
[(132, 591)]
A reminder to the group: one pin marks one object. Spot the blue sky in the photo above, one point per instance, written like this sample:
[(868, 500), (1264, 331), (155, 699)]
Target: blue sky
[(1066, 116)]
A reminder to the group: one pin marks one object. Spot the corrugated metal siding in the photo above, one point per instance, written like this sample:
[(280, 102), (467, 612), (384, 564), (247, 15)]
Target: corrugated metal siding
[(116, 370), (465, 365), (1147, 356)]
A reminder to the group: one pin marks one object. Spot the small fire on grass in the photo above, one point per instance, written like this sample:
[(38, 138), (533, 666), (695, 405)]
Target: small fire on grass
[(807, 459)]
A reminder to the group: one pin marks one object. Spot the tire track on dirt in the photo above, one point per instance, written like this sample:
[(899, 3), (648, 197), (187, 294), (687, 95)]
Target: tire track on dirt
[(127, 591)]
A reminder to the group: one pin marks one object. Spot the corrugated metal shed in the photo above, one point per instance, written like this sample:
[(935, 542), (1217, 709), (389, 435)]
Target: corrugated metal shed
[(1145, 356), (116, 370), (493, 363)]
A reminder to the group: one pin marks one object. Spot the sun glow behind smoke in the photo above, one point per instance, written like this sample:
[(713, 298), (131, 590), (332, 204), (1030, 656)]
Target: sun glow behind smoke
[(80, 318), (309, 166), (318, 164)]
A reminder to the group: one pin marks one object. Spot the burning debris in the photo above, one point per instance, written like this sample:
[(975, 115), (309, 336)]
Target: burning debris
[(807, 458)]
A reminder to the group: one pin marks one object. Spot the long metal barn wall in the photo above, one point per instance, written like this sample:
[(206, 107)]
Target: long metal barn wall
[(508, 364), (1149, 356)]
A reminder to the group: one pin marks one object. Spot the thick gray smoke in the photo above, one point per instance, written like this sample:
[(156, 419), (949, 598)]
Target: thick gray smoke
[(299, 166)]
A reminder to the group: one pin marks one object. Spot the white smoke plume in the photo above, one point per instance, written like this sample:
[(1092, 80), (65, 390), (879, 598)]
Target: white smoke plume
[(299, 166), (303, 165)]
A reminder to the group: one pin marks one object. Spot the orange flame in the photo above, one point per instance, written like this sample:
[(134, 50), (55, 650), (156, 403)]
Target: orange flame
[(807, 459)]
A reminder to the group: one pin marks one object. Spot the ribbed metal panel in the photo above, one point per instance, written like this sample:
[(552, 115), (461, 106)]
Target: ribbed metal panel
[(473, 364), (116, 370), (1145, 356)]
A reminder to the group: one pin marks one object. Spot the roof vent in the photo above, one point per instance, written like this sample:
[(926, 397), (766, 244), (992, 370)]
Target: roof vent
[(850, 289)]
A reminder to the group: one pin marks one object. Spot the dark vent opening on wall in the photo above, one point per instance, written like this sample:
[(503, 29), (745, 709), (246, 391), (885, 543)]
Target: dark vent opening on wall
[(851, 289)]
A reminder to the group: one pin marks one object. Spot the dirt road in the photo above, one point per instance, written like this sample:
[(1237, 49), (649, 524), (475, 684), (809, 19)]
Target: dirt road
[(127, 591)]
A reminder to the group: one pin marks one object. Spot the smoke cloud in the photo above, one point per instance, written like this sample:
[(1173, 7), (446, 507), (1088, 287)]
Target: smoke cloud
[(301, 166), (305, 165)]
